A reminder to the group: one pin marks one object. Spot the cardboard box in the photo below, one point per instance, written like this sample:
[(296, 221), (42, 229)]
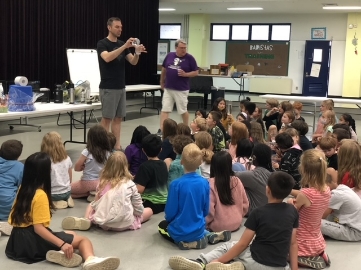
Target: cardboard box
[(215, 70)]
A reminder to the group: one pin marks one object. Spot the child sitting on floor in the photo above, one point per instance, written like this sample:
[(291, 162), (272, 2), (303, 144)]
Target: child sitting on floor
[(302, 129), (201, 113), (188, 205), (237, 132), (243, 152), (268, 242), (198, 124), (175, 168), (61, 170), (117, 205), (328, 146), (134, 152), (204, 141), (342, 219), (152, 176), (311, 202), (228, 199), (350, 122), (349, 163), (290, 160), (91, 162), (31, 239), (11, 174), (215, 131), (297, 108)]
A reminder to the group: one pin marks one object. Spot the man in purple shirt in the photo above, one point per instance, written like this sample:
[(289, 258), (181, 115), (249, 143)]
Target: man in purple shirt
[(177, 68)]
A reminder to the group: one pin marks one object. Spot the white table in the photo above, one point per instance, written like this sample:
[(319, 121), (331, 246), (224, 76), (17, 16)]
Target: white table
[(314, 101), (45, 109)]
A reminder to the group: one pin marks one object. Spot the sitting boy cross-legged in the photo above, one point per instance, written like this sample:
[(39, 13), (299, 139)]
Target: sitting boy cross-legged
[(188, 205), (274, 228)]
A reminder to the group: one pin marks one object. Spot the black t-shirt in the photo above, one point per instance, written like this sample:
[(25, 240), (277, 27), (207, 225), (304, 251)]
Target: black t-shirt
[(305, 143), (112, 74), (167, 150), (152, 174), (273, 224), (332, 162)]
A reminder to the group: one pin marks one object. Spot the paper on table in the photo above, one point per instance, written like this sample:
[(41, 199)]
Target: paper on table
[(315, 70)]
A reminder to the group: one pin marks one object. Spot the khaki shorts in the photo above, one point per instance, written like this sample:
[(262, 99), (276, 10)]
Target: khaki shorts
[(179, 97), (113, 103)]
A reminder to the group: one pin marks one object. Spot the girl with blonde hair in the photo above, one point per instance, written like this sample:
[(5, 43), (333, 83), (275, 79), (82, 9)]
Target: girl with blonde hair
[(198, 124), (61, 170), (117, 206), (237, 131), (311, 202), (204, 141), (327, 104), (349, 164)]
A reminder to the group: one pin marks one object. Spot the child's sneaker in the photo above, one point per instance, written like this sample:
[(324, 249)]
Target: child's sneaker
[(70, 202), (181, 263), (216, 237), (316, 262), (96, 263), (75, 223), (221, 266), (60, 204), (200, 244), (5, 228), (91, 196), (59, 257)]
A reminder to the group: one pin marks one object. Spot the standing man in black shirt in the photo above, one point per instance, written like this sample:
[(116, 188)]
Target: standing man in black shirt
[(112, 54)]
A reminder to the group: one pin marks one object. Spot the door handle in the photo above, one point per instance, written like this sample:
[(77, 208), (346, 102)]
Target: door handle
[(306, 75)]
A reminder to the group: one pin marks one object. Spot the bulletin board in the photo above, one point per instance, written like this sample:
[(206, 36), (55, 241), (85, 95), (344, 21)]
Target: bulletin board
[(268, 58)]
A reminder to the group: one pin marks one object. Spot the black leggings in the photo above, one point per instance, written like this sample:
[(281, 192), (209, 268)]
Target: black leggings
[(157, 208), (162, 229)]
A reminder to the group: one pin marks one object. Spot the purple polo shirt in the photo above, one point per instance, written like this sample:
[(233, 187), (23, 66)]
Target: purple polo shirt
[(172, 63)]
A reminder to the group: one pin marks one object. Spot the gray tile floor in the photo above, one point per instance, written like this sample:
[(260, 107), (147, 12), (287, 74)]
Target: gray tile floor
[(144, 248)]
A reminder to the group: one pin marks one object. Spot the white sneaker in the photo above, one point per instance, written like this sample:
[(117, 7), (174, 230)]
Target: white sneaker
[(58, 257), (90, 198), (70, 202), (60, 204), (75, 223), (95, 263), (5, 228)]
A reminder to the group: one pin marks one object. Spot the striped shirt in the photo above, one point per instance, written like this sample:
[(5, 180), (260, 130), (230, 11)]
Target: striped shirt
[(309, 237)]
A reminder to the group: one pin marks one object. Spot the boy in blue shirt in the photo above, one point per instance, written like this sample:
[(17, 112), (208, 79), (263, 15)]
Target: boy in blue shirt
[(268, 242), (188, 205), (11, 174)]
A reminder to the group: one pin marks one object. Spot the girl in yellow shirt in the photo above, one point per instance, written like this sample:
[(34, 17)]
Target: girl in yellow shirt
[(31, 239)]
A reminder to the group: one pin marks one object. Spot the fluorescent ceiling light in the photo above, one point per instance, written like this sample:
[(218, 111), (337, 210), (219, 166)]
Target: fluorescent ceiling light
[(343, 8), (245, 8), (166, 9)]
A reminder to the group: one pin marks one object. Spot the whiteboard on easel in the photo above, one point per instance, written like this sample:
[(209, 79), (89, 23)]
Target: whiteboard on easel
[(84, 66)]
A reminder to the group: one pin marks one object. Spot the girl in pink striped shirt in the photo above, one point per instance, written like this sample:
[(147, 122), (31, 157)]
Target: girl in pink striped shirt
[(311, 202)]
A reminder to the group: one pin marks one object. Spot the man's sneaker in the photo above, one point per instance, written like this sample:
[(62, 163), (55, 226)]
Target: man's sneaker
[(217, 237), (221, 266), (75, 223), (70, 202), (159, 133), (316, 262), (200, 244), (326, 258), (5, 228), (59, 257), (60, 204), (95, 263), (181, 263)]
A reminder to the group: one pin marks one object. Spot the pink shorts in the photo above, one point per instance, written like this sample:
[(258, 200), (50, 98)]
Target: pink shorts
[(135, 226)]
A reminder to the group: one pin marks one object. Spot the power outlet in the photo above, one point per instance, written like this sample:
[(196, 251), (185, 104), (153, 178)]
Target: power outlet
[(296, 87)]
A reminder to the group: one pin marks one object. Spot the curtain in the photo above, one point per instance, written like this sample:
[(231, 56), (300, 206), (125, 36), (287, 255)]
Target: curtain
[(34, 35)]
